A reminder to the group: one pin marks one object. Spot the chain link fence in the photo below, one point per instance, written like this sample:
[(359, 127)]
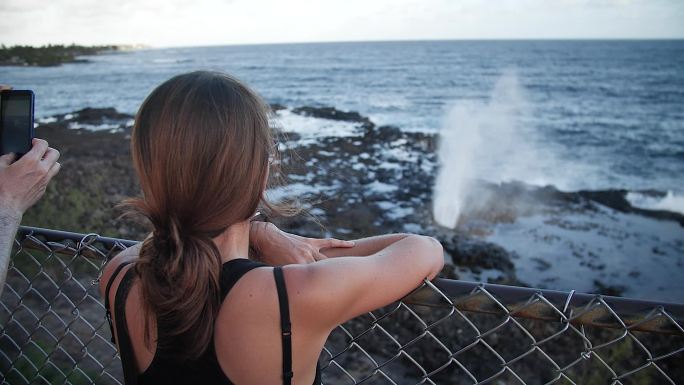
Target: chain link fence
[(444, 332)]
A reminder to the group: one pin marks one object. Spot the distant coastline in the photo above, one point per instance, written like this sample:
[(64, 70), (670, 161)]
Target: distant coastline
[(54, 55)]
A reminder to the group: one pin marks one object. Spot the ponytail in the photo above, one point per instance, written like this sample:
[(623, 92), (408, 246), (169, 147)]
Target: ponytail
[(179, 275)]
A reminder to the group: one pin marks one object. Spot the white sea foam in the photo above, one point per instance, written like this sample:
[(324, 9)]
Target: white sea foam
[(94, 127), (394, 211), (298, 189), (390, 165), (311, 128), (50, 119), (670, 202), (381, 188)]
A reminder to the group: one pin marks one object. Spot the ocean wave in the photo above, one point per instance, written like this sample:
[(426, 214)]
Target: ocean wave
[(171, 61), (311, 128), (669, 202)]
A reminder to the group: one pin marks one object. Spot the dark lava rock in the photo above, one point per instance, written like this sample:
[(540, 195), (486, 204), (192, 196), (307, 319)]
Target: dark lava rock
[(617, 200), (504, 202), (448, 271), (333, 114), (613, 290), (383, 133), (282, 136), (277, 107), (471, 252), (100, 115)]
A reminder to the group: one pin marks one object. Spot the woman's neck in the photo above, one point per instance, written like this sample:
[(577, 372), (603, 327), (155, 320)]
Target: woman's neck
[(233, 243)]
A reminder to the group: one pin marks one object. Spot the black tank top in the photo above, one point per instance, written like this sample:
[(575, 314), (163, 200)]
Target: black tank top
[(205, 370)]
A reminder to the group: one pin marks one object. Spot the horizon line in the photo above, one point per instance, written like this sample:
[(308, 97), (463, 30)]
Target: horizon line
[(421, 40), (151, 46)]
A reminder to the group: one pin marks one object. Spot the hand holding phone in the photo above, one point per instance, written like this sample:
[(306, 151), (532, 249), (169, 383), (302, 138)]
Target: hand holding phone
[(24, 181), (16, 121)]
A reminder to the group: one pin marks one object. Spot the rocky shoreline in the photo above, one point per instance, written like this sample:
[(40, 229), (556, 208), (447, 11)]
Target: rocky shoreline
[(53, 55), (372, 180)]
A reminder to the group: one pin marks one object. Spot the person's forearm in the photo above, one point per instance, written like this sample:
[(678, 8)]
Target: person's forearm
[(364, 247), (9, 223)]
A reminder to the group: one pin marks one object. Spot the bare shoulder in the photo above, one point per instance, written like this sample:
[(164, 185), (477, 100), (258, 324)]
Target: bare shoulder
[(128, 254)]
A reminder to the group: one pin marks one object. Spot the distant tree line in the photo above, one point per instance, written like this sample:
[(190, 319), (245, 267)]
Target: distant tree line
[(48, 55)]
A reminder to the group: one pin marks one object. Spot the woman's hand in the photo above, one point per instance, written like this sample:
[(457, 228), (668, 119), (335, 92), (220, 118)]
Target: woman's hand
[(275, 247)]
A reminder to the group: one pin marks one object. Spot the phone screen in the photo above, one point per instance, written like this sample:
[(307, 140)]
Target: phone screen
[(16, 125)]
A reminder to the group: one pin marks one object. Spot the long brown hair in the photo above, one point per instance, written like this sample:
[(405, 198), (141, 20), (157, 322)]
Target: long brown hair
[(201, 145)]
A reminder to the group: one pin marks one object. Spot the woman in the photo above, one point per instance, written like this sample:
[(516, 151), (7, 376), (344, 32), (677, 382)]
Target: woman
[(187, 305)]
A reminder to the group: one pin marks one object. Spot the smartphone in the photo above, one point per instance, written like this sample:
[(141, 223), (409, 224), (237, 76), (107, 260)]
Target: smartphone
[(16, 121)]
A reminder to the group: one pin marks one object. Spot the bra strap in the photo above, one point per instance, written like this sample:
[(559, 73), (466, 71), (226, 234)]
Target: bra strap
[(286, 332), (108, 313), (125, 346)]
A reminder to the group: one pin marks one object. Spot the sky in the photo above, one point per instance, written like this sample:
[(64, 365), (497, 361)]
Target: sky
[(169, 23)]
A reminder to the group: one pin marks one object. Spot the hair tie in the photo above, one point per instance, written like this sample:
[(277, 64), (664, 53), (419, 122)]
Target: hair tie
[(161, 241)]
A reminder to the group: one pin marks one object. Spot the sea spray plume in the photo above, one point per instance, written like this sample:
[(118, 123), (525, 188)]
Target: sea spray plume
[(458, 139), (481, 140)]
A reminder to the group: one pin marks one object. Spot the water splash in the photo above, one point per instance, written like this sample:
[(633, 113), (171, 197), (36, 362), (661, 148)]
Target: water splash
[(671, 201), (483, 140)]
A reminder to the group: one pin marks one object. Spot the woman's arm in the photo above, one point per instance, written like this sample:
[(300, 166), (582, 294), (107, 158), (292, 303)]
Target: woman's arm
[(364, 247), (276, 247), (335, 290)]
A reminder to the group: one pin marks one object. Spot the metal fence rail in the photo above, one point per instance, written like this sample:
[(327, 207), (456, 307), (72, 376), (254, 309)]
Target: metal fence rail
[(444, 332)]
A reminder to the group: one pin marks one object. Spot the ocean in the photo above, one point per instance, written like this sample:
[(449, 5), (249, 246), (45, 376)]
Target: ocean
[(610, 112), (575, 115)]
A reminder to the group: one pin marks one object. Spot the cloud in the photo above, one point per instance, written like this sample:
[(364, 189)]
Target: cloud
[(205, 22)]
